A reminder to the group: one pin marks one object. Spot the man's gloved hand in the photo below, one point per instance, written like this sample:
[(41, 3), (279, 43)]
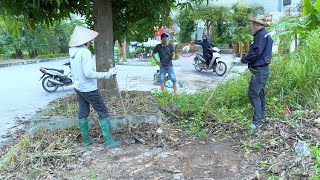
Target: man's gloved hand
[(113, 71)]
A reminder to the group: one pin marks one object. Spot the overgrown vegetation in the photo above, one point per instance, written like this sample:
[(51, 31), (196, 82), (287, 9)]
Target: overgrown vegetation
[(293, 84), (38, 153)]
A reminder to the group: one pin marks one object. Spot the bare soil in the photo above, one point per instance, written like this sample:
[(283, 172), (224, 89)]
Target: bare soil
[(197, 160)]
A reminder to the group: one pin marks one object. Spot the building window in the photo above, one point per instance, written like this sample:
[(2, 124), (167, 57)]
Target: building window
[(286, 2)]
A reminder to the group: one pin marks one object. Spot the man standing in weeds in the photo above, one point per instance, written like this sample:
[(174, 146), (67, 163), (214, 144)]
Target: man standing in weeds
[(83, 68), (258, 59), (166, 53)]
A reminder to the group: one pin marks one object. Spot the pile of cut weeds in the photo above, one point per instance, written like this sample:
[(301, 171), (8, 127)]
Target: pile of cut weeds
[(273, 147), (136, 102), (43, 154)]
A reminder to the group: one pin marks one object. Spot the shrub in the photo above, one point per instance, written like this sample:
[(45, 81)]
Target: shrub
[(130, 55), (13, 56), (139, 50), (153, 62)]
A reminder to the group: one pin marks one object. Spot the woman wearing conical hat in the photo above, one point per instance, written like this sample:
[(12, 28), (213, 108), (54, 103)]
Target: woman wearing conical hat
[(83, 69)]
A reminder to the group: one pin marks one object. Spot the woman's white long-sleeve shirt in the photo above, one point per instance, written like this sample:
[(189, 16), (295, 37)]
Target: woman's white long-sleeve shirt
[(83, 69)]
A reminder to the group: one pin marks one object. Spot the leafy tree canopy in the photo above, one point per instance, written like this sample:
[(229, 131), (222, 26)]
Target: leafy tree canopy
[(135, 19)]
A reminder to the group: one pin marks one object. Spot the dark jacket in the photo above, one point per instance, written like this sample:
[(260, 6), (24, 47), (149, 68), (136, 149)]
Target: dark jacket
[(206, 44), (261, 50), (165, 53)]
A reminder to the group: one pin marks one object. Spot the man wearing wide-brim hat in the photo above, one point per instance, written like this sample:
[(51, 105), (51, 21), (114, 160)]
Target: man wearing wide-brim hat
[(83, 69), (258, 60)]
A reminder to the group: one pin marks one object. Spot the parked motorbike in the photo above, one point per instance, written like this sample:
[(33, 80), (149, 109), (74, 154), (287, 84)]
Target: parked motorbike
[(52, 78), (156, 77), (216, 64)]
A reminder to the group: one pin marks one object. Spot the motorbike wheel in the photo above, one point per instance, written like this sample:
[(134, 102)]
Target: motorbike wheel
[(49, 86), (197, 65), (155, 79), (221, 68)]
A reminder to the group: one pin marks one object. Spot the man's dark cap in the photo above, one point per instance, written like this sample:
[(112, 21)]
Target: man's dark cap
[(164, 35)]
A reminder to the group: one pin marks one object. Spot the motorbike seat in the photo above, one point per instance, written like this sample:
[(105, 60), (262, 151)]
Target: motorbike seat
[(59, 70)]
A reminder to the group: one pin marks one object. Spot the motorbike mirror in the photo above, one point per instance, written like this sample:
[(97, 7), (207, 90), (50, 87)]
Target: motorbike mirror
[(67, 64)]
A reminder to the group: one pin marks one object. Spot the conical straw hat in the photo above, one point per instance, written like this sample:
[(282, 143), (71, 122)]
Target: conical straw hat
[(81, 35), (261, 19)]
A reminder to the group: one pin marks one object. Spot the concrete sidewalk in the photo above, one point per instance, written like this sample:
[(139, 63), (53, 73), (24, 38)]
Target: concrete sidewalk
[(26, 62)]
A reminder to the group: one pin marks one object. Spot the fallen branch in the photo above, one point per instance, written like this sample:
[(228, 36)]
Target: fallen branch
[(126, 115), (214, 91)]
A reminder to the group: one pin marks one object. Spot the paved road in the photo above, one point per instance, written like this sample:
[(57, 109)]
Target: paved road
[(21, 93)]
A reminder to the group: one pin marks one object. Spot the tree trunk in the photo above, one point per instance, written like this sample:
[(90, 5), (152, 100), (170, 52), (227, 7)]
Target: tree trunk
[(19, 53), (208, 29), (102, 16), (219, 29), (127, 45), (123, 49)]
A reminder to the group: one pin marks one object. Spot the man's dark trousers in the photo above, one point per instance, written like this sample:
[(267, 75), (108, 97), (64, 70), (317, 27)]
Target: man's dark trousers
[(94, 98), (256, 94)]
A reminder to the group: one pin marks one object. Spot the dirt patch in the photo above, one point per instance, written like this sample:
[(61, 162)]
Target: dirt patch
[(217, 160), (59, 155)]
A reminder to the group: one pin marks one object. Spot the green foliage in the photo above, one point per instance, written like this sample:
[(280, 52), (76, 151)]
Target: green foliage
[(316, 166), (139, 50), (214, 17), (41, 40), (240, 21), (41, 11), (51, 55), (223, 22), (130, 55), (153, 62), (187, 26), (136, 19), (296, 74), (311, 18)]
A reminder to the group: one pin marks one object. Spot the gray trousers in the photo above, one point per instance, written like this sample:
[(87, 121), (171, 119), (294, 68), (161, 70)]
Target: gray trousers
[(94, 98), (256, 94)]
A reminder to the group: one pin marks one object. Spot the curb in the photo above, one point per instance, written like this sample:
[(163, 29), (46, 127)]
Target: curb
[(60, 122), (26, 62)]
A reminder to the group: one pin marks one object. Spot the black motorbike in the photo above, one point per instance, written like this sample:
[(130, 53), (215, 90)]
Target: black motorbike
[(52, 78)]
